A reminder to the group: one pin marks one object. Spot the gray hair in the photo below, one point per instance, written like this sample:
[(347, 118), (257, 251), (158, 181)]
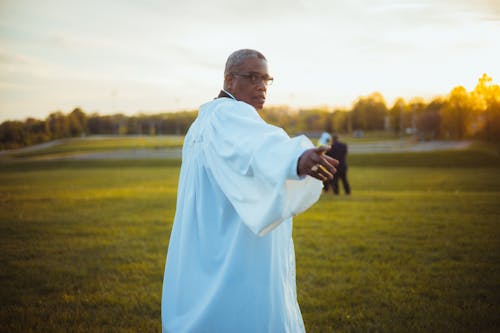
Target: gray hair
[(238, 57)]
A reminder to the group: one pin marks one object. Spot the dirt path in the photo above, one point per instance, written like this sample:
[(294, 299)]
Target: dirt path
[(32, 148), (393, 146), (356, 148), (130, 154)]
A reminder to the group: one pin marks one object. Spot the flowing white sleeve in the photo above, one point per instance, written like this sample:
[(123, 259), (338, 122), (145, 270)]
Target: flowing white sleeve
[(255, 165)]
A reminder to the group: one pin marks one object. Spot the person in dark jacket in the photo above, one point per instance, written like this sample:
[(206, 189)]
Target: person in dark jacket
[(338, 151)]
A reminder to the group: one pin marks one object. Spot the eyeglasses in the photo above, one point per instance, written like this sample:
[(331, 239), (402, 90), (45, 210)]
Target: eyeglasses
[(256, 78)]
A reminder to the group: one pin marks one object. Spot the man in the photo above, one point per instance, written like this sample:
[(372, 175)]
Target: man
[(230, 263), (338, 151)]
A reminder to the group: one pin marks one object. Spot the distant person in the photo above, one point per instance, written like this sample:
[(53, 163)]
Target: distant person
[(324, 139), (338, 151), (231, 263)]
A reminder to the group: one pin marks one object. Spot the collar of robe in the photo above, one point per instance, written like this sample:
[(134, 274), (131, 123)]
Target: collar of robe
[(224, 93)]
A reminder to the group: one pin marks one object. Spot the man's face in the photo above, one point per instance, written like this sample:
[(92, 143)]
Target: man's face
[(246, 82)]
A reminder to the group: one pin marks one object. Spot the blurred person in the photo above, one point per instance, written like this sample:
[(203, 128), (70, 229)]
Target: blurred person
[(324, 139), (231, 264), (338, 151)]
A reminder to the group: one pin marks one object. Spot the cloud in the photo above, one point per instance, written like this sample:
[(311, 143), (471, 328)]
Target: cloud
[(9, 58), (486, 9), (158, 51)]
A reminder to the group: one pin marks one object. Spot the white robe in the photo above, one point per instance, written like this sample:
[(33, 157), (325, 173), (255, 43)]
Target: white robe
[(231, 263)]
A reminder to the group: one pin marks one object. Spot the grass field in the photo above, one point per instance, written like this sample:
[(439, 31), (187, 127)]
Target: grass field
[(416, 248)]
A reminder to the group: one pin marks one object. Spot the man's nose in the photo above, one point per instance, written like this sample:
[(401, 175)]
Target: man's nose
[(262, 85)]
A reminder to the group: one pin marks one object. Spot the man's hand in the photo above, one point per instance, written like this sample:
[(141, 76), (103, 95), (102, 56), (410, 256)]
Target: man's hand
[(315, 163)]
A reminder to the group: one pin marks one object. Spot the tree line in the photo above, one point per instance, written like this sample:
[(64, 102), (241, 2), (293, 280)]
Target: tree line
[(16, 134), (458, 115)]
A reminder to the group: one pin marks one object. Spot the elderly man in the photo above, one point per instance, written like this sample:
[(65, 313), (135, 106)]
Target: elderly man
[(231, 263)]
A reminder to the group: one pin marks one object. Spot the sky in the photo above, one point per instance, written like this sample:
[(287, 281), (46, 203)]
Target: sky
[(152, 56)]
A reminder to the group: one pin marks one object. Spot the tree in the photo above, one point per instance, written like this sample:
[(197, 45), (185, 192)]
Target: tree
[(58, 125), (428, 122), (456, 113), (486, 100), (280, 116), (37, 131), (77, 122), (368, 113), (397, 115), (341, 121), (12, 134)]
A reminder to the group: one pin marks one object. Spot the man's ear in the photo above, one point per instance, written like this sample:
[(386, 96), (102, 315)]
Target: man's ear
[(228, 81)]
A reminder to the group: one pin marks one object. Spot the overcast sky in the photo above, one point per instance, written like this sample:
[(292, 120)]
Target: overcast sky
[(129, 56)]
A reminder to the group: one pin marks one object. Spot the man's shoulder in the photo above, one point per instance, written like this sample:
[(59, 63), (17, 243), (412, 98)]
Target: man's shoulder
[(228, 107), (226, 103), (228, 112)]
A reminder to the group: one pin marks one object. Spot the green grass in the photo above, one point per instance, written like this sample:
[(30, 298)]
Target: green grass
[(83, 249), (403, 255), (414, 249), (471, 159)]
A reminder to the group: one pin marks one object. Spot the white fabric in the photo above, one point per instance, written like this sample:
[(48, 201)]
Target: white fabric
[(231, 263)]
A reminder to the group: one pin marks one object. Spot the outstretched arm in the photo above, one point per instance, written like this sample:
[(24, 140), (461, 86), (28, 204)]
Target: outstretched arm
[(315, 163)]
